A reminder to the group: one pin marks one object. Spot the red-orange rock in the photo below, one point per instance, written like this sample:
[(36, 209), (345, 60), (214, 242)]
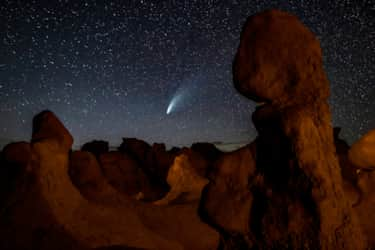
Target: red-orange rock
[(46, 126), (86, 175), (279, 64), (301, 200), (362, 152)]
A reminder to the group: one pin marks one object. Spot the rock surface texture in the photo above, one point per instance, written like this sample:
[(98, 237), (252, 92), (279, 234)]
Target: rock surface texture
[(49, 212), (362, 152), (299, 201)]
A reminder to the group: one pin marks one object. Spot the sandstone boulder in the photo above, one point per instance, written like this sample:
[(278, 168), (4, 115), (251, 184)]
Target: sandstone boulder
[(362, 152), (47, 126), (183, 180), (300, 202)]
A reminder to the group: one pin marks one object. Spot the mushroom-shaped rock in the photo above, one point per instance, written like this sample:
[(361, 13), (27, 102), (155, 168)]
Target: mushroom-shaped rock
[(362, 152), (302, 202), (46, 126), (278, 64)]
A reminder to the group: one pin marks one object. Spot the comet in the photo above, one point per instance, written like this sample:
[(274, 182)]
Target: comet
[(186, 93), (174, 102)]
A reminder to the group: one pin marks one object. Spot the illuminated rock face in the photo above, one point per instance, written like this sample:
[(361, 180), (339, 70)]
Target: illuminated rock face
[(362, 152), (300, 201), (183, 179)]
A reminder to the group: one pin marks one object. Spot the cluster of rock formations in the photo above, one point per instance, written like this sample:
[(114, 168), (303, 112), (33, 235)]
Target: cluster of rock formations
[(297, 186)]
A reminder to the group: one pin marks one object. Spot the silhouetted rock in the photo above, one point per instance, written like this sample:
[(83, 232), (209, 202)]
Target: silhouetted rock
[(301, 202), (159, 161), (86, 175), (50, 213), (17, 153), (96, 147), (207, 150), (227, 198), (122, 172), (136, 148), (174, 150), (14, 163)]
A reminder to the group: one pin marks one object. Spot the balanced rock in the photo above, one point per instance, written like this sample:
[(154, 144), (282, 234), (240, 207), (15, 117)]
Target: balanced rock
[(300, 201)]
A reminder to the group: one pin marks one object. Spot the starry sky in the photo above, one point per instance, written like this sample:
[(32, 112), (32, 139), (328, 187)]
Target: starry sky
[(110, 69)]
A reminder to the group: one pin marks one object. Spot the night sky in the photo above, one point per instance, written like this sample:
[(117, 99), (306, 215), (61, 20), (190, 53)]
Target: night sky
[(112, 69)]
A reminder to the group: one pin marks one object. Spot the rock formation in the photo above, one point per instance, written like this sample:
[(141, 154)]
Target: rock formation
[(50, 213), (183, 180), (207, 150), (97, 147), (227, 198), (361, 156), (153, 160), (14, 163), (301, 202), (122, 172), (362, 152)]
